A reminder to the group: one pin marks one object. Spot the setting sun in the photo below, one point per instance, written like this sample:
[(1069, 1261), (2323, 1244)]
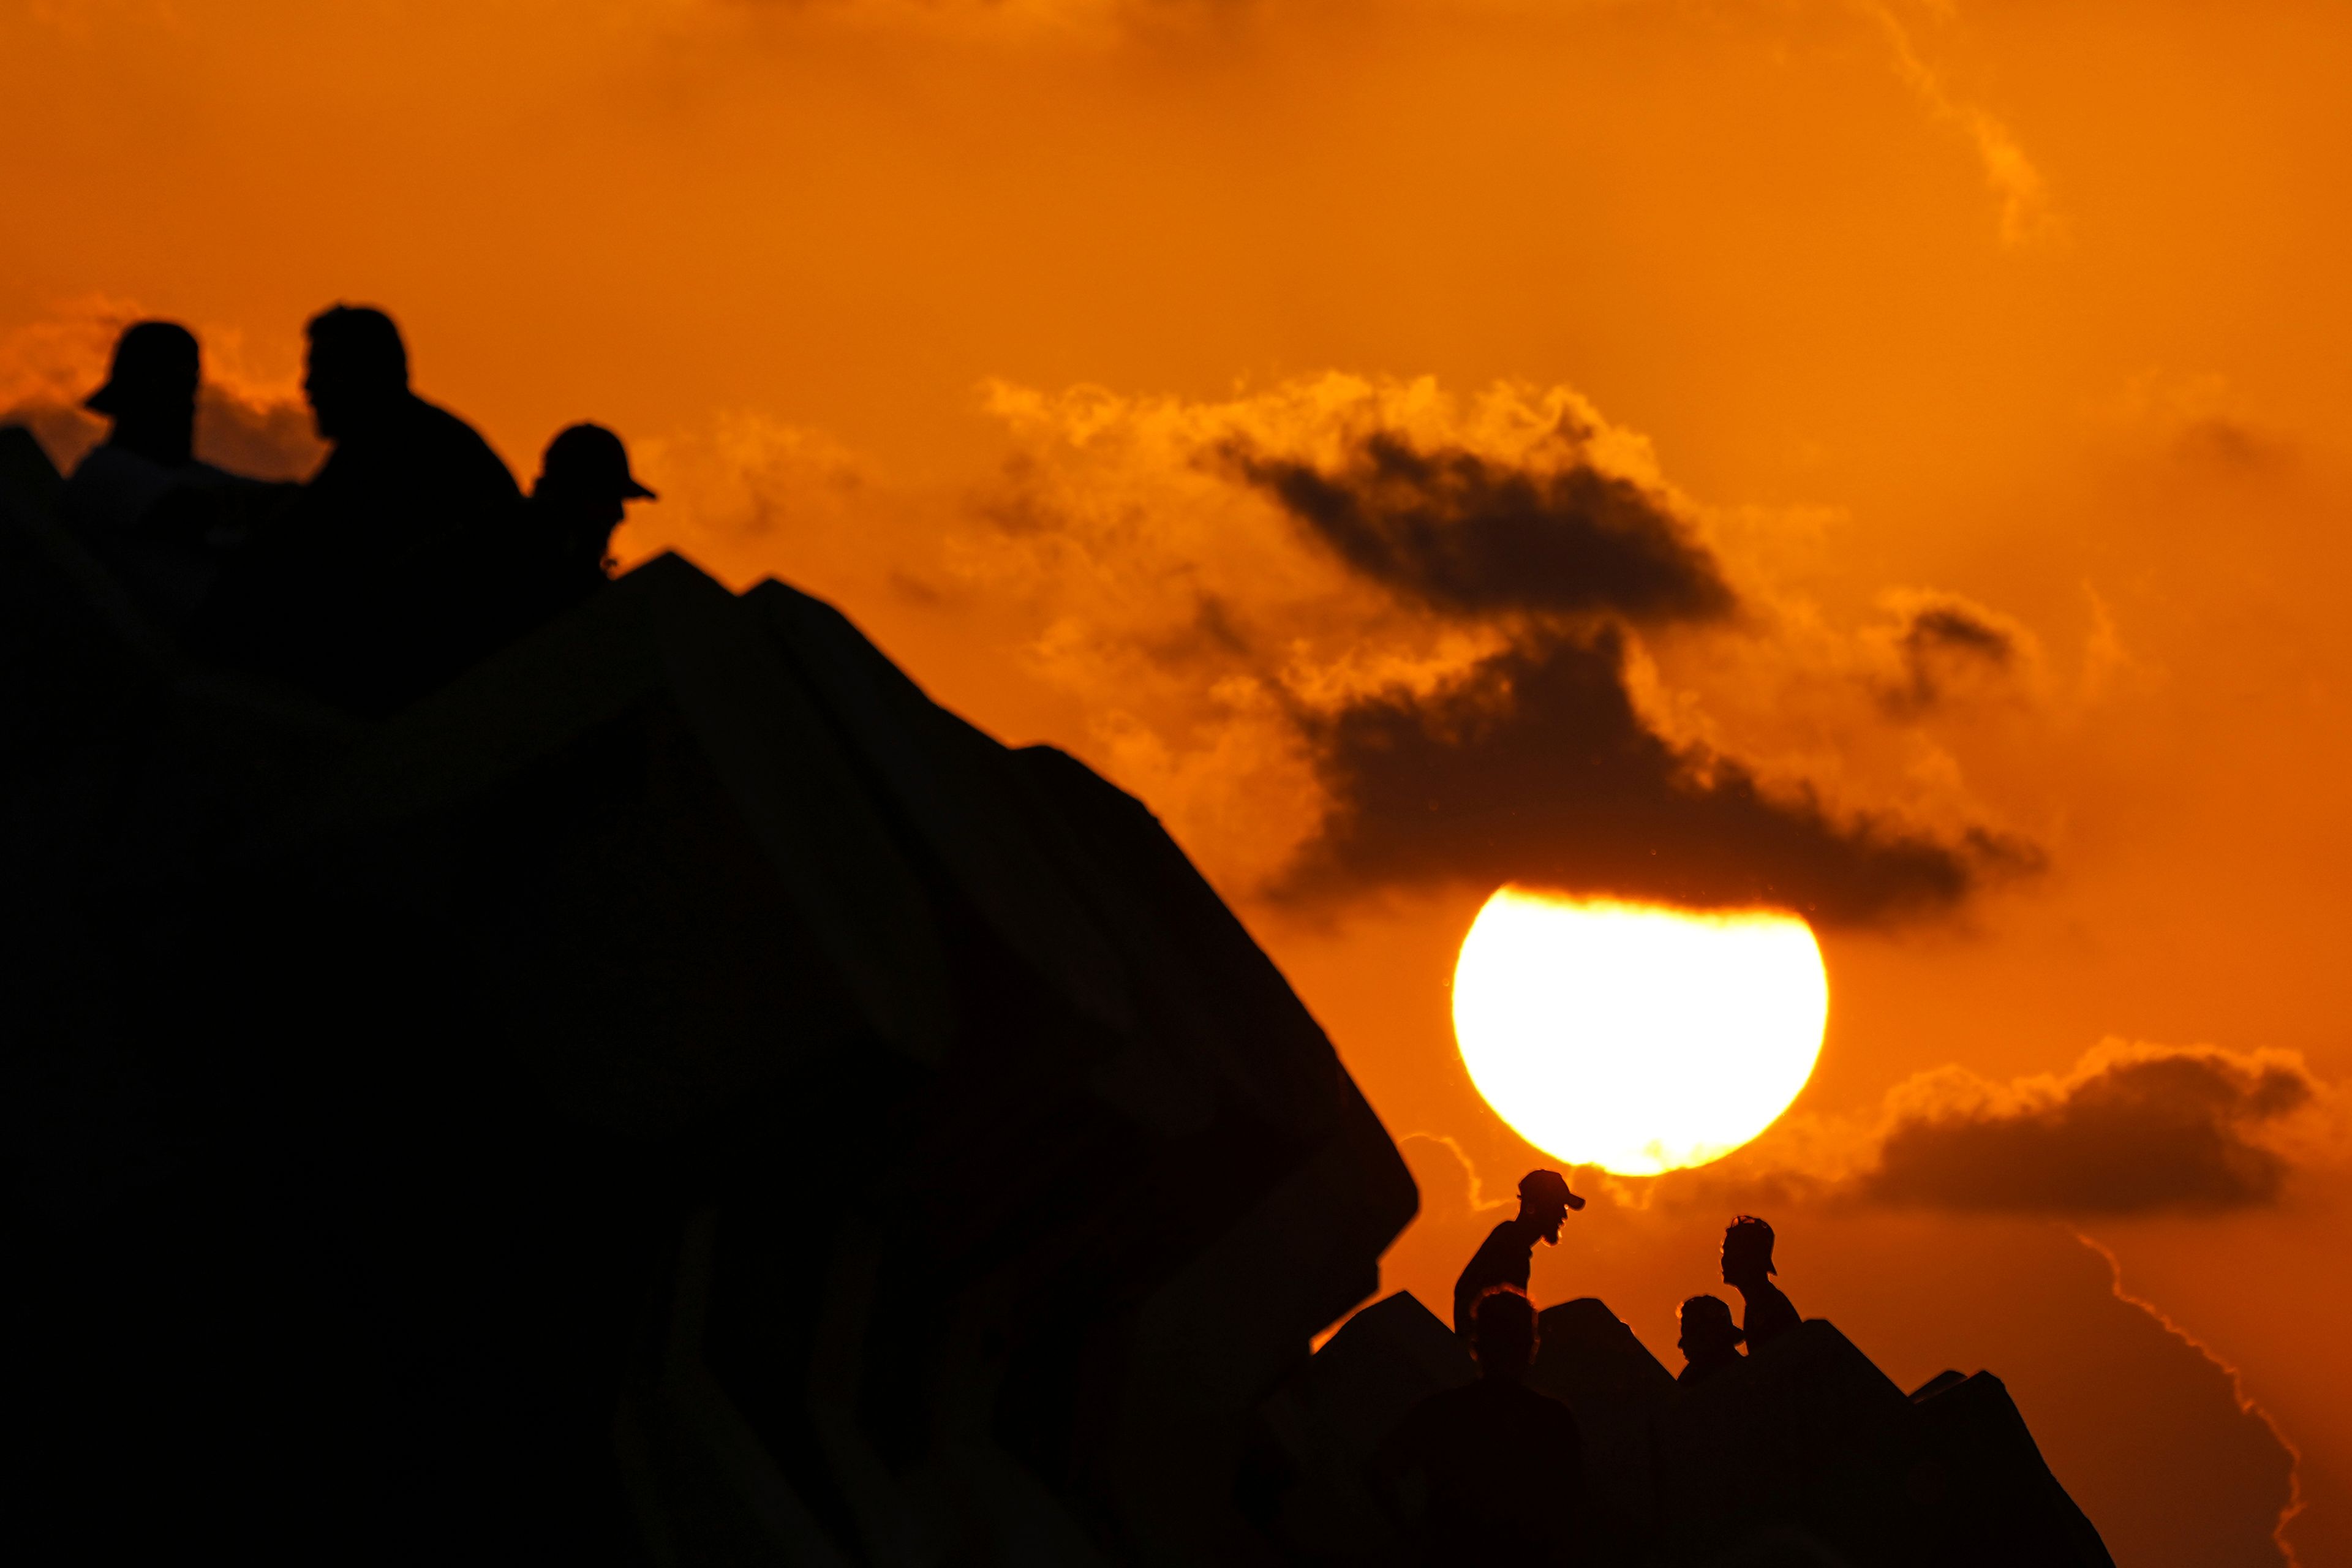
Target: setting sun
[(1636, 1038)]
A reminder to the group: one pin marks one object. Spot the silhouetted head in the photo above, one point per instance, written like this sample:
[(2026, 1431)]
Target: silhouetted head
[(1747, 1250), (1503, 1332), (587, 466), (357, 370), (1545, 1200), (151, 391), (583, 485), (1708, 1336)]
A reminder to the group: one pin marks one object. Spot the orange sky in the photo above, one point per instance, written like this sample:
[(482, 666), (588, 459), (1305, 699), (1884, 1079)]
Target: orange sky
[(943, 308)]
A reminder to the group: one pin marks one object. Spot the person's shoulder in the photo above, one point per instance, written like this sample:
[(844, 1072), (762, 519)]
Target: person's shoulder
[(1553, 1415), (1514, 1232), (1533, 1414), (431, 419), (111, 485), (460, 439), (1770, 1315), (106, 461)]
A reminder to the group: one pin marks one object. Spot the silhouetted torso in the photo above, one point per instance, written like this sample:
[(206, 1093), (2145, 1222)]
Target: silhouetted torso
[(1765, 1314), (414, 478), (1506, 1257), (561, 561), (389, 576), (1502, 1470), (151, 524), (160, 522), (581, 496)]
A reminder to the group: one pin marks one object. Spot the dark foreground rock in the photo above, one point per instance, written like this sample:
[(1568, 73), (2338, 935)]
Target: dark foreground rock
[(1802, 1454), (678, 1096)]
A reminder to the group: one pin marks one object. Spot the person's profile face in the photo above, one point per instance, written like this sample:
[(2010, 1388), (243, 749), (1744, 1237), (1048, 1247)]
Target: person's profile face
[(341, 387), (580, 517), (320, 388), (1743, 1262)]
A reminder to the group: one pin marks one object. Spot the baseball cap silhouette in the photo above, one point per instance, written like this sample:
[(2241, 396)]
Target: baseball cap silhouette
[(153, 360), (1548, 1185), (588, 459)]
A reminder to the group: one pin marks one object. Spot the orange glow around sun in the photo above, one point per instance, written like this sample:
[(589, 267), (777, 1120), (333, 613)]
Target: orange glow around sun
[(1636, 1038)]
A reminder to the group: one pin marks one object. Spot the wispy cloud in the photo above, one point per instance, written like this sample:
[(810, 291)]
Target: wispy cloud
[(2028, 215)]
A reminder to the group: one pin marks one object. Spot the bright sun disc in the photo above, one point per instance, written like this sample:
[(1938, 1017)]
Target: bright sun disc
[(1634, 1038)]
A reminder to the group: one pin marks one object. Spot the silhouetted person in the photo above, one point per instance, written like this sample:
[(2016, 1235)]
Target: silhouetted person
[(1709, 1340), (1493, 1470), (580, 497), (149, 396), (140, 501), (1748, 1267), (1508, 1255), (389, 577), (402, 467)]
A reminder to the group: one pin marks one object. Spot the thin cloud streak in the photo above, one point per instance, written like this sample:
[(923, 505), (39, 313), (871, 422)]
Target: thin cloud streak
[(2027, 215)]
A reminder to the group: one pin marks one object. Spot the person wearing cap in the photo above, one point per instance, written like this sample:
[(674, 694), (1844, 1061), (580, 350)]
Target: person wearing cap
[(140, 501), (581, 496), (1765, 1313), (1491, 1472), (1709, 1339), (384, 583), (1508, 1255)]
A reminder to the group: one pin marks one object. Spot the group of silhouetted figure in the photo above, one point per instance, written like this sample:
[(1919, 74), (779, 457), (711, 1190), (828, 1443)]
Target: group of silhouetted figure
[(1492, 1471), (409, 556)]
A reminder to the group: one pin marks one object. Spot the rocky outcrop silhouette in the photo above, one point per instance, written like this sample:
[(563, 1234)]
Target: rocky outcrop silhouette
[(1802, 1453), (677, 1095)]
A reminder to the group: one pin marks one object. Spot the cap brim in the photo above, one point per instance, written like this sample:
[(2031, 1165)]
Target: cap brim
[(104, 400), (635, 492), (1574, 1202)]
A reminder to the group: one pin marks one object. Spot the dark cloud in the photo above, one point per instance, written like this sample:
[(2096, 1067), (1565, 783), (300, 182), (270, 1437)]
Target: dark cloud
[(265, 437), (1468, 534), (1957, 629), (1538, 769), (2134, 1130), (2230, 446), (1411, 668), (1946, 640)]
